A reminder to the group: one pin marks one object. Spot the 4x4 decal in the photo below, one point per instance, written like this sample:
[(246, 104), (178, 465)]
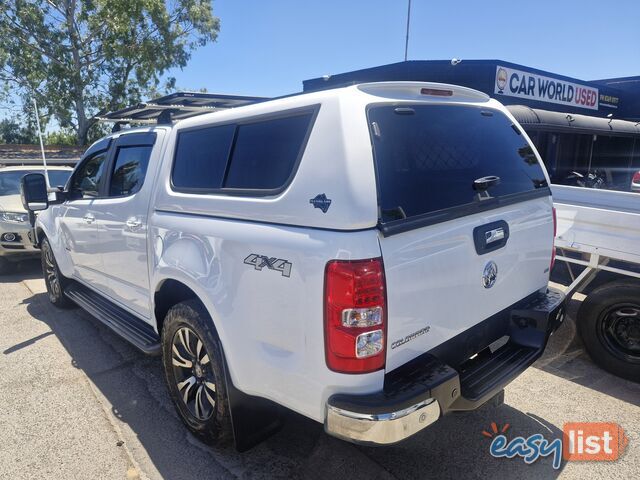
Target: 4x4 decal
[(272, 263)]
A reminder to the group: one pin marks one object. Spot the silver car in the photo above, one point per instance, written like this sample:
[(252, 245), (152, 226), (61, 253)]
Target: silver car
[(15, 244)]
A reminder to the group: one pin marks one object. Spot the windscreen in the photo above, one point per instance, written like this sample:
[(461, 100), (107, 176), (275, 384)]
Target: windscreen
[(432, 158), (10, 180)]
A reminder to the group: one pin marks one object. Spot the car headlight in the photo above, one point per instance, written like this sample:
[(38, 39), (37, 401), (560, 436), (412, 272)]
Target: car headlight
[(14, 217)]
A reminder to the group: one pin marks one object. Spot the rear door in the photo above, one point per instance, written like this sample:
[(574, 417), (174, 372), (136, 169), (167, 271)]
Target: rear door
[(121, 218), (465, 218)]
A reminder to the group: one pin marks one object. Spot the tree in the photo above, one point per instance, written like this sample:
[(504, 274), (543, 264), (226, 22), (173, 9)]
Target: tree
[(82, 58), (12, 132)]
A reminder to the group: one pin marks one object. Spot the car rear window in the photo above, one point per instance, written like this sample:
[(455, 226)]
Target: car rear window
[(427, 158), (10, 179)]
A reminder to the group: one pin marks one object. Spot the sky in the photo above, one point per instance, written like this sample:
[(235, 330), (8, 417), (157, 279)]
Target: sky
[(268, 48)]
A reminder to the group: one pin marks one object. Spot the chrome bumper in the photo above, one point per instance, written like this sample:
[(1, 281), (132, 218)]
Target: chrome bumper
[(381, 428), (416, 394)]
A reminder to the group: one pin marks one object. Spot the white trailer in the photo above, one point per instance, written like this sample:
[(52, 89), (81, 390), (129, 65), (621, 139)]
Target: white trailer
[(599, 239)]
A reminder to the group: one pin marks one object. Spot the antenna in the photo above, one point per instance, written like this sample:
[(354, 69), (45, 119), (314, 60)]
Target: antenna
[(44, 159), (406, 42)]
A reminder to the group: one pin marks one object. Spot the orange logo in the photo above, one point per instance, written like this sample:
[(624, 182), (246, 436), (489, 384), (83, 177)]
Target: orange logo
[(604, 442), (588, 441)]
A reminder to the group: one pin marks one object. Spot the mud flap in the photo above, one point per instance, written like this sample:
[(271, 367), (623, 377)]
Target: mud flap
[(253, 419)]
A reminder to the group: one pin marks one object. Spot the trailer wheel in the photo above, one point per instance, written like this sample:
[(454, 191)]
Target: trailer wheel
[(609, 324)]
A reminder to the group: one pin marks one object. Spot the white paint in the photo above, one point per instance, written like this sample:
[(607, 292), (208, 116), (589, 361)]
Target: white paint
[(271, 326)]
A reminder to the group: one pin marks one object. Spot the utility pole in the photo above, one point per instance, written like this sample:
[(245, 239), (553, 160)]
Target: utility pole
[(406, 42)]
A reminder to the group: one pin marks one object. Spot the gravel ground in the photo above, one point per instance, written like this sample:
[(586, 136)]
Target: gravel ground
[(78, 402)]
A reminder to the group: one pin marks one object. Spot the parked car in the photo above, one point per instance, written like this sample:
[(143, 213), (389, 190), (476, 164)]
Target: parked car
[(372, 257), (15, 244)]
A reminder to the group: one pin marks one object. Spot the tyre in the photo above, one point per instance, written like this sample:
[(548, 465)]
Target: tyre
[(53, 279), (194, 371), (609, 324), (5, 266)]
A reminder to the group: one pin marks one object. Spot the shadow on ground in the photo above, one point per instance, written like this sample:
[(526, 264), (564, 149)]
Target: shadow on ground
[(133, 385), (566, 357), (24, 270)]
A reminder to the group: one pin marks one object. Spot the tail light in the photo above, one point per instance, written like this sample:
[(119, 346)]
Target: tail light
[(553, 245), (355, 315), (636, 177), (438, 92)]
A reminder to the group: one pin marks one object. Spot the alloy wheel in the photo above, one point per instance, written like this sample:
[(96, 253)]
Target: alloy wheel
[(51, 274), (193, 373)]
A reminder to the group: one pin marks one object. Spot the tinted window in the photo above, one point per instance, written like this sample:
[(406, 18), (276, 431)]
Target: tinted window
[(265, 153), (590, 161), (201, 157), (428, 156), (129, 170), (86, 180), (10, 180)]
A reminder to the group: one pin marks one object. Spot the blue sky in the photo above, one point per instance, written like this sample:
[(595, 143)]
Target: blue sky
[(269, 47)]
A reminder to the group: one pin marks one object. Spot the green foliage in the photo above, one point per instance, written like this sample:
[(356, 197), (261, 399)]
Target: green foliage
[(60, 137), (82, 58), (11, 131)]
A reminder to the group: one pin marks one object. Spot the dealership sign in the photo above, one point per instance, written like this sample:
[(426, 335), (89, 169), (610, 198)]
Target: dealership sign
[(516, 83)]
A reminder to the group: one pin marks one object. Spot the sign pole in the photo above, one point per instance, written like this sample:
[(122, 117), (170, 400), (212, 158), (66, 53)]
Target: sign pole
[(44, 159)]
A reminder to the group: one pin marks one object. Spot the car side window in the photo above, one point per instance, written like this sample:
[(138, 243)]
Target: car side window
[(129, 170), (256, 156), (201, 157), (265, 153), (86, 180)]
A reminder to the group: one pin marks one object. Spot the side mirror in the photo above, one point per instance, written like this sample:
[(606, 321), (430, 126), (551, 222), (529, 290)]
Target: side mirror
[(33, 190)]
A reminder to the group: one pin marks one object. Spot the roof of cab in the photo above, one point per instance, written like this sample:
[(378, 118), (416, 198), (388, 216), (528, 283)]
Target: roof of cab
[(385, 91)]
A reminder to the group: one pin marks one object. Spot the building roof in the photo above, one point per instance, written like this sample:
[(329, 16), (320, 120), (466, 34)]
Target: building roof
[(16, 154), (519, 85)]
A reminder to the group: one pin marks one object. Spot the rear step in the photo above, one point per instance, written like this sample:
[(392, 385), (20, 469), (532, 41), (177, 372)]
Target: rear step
[(488, 371), (125, 324)]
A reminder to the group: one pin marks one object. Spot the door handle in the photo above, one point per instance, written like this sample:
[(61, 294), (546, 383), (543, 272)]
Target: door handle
[(494, 235), (134, 223), (89, 218), (491, 236)]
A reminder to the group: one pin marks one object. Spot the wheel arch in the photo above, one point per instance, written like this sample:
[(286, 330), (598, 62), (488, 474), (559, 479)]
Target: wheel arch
[(40, 235), (253, 418), (170, 291)]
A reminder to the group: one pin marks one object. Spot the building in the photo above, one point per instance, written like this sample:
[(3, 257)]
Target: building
[(588, 132), (15, 154)]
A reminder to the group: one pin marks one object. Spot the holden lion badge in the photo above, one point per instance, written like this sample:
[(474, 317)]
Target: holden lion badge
[(489, 274)]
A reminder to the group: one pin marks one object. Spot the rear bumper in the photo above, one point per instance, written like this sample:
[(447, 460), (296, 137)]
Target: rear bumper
[(418, 393)]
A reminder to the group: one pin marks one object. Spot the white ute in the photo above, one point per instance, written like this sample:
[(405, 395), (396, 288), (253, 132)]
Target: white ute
[(371, 257)]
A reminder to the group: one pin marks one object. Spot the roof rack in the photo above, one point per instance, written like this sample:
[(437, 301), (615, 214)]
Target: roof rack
[(177, 106)]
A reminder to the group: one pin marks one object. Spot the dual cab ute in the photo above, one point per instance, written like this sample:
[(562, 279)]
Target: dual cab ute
[(371, 257)]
